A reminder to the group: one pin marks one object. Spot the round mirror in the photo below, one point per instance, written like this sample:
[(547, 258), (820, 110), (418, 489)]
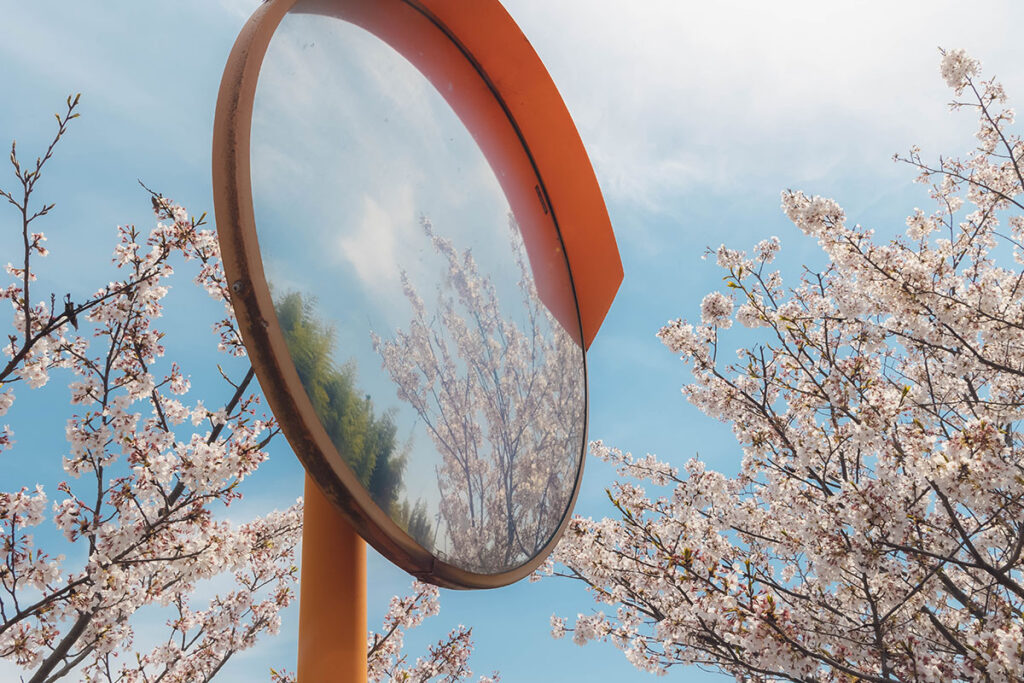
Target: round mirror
[(402, 286)]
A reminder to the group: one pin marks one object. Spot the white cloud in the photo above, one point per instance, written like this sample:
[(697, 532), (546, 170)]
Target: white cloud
[(670, 96)]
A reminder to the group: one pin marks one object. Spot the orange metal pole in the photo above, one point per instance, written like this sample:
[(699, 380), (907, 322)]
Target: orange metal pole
[(332, 595)]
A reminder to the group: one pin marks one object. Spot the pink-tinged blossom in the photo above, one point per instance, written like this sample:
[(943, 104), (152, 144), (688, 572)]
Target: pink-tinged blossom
[(715, 310), (557, 627), (6, 401), (957, 68), (767, 249)]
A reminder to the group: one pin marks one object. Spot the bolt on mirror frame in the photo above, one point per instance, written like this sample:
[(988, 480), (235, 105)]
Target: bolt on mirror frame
[(480, 62)]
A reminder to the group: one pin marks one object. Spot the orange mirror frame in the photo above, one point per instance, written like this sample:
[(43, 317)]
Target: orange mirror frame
[(480, 62)]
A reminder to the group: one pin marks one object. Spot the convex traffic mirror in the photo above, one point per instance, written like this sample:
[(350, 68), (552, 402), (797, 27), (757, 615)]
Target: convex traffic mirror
[(419, 256)]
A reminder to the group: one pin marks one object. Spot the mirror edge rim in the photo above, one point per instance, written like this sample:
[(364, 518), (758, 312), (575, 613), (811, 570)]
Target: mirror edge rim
[(264, 340)]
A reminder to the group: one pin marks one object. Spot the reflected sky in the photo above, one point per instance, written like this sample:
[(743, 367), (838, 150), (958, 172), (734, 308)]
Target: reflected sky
[(406, 299)]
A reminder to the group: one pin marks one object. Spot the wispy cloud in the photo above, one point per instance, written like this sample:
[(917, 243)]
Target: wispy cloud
[(673, 96), (372, 248)]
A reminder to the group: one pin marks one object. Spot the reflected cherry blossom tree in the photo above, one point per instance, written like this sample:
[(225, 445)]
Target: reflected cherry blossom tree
[(500, 390)]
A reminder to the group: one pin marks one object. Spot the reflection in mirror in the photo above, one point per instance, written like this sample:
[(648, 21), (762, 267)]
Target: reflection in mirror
[(501, 404), (407, 302)]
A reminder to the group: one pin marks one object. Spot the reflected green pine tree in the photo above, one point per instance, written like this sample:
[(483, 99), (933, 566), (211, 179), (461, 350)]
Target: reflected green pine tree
[(368, 442)]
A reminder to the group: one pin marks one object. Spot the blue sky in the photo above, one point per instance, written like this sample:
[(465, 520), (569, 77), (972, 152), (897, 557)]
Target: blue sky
[(695, 117)]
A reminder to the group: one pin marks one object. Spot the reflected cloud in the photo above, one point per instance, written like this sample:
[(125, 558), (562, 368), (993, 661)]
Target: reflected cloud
[(345, 127), (375, 240)]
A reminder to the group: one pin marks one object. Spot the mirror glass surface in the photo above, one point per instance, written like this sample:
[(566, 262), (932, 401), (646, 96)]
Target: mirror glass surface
[(407, 300)]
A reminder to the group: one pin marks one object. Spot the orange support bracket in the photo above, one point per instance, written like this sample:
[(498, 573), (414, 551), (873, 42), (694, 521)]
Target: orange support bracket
[(332, 595)]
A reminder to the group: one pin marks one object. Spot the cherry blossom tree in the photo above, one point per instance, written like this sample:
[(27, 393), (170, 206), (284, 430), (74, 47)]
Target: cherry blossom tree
[(875, 529), (150, 473)]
